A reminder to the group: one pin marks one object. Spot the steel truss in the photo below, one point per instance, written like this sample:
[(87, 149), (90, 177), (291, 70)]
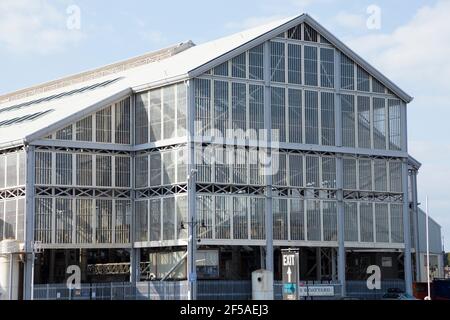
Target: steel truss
[(83, 192), (108, 268), (82, 150), (302, 193), (160, 149), (161, 191), (16, 192), (373, 196)]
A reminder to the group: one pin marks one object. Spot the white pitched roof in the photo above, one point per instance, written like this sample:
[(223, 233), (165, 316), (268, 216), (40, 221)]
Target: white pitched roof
[(188, 63), (75, 105)]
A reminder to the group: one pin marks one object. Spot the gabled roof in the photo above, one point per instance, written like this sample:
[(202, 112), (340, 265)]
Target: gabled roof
[(180, 63), (284, 25)]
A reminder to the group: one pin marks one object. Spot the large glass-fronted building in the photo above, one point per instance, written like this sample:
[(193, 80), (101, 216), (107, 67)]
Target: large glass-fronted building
[(277, 137)]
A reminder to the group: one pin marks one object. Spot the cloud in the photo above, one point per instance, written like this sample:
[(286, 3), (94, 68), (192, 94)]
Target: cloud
[(303, 4), (274, 12), (153, 36), (416, 52), (35, 26), (252, 22), (148, 34), (350, 20)]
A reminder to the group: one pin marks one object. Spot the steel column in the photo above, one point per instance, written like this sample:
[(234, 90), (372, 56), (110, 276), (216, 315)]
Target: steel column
[(29, 223), (416, 222), (339, 173), (268, 172), (341, 224), (406, 229), (191, 248)]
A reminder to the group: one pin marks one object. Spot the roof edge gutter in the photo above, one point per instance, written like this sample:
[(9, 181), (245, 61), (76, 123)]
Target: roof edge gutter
[(160, 83), (414, 162), (12, 144)]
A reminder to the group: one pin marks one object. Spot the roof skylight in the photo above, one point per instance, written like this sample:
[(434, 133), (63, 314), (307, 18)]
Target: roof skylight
[(59, 95), (26, 118)]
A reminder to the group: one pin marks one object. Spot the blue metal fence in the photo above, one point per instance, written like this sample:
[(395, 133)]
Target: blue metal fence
[(151, 290), (358, 289), (206, 290)]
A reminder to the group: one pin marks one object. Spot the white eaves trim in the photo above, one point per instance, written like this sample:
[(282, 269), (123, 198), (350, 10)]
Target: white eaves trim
[(414, 162)]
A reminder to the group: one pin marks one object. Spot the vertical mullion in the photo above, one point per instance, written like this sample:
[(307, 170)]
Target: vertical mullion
[(357, 173), (388, 175), (113, 221), (386, 120), (94, 220), (302, 62), (374, 226), (358, 217), (74, 168), (286, 65), (230, 109), (162, 110), (356, 122), (212, 105), (230, 200), (148, 117), (305, 219), (74, 219), (53, 168), (372, 168), (113, 170), (389, 223), (161, 217), (94, 128), (303, 110), (288, 218), (372, 118), (53, 220), (148, 203), (319, 117), (113, 122), (247, 110), (94, 169), (321, 220), (319, 80), (175, 116), (213, 217), (249, 229)]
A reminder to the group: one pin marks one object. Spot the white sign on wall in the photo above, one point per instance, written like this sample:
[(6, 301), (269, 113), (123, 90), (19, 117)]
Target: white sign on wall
[(316, 291)]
